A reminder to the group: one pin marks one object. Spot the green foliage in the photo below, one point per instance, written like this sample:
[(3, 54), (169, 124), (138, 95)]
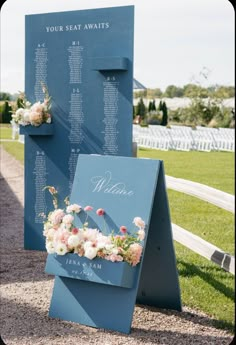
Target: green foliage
[(141, 109), (5, 96), (150, 106), (154, 120), (173, 91), (163, 108), (6, 112), (188, 90)]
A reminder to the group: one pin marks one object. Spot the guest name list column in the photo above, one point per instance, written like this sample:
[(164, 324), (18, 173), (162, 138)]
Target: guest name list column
[(40, 182), (110, 99), (41, 59), (76, 115)]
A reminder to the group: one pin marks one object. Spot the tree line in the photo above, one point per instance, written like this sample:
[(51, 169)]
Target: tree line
[(189, 90)]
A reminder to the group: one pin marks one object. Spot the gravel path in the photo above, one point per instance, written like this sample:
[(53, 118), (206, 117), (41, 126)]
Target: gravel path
[(26, 292)]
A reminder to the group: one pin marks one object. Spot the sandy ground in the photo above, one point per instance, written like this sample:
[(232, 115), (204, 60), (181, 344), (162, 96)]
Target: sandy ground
[(26, 292)]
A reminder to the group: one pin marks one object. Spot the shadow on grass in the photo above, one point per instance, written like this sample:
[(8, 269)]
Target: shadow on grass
[(193, 270)]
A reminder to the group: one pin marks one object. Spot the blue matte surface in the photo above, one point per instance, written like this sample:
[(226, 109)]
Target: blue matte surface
[(156, 283), (109, 63), (43, 129), (97, 270), (116, 41)]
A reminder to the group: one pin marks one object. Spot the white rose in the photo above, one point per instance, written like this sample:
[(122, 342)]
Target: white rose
[(73, 208), (20, 112), (87, 245), (50, 248), (50, 233), (90, 253), (26, 116), (114, 251), (73, 241), (61, 249)]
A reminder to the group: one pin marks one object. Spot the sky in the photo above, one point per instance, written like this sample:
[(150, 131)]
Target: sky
[(174, 41)]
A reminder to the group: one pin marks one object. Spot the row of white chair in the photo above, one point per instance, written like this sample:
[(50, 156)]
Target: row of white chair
[(185, 138)]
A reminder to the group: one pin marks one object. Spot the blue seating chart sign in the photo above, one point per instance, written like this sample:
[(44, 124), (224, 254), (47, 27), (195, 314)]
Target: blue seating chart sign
[(102, 293), (85, 59)]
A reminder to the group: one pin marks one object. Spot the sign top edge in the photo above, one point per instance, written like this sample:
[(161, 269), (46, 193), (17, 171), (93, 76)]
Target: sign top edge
[(131, 7)]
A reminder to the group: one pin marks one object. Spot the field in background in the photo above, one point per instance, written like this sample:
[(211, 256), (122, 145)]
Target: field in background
[(204, 285)]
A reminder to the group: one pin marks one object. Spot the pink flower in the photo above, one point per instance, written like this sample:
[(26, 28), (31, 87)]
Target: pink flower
[(88, 208), (68, 219), (74, 231), (139, 222), (123, 229), (56, 216), (73, 208), (35, 118), (100, 212), (37, 107), (135, 251), (114, 257)]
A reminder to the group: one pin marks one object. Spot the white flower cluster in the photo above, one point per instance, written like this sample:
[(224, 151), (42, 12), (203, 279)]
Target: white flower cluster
[(35, 114)]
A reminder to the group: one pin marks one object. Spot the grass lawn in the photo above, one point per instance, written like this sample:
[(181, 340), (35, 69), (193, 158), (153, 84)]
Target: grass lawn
[(204, 285), (215, 169), (5, 131), (15, 148)]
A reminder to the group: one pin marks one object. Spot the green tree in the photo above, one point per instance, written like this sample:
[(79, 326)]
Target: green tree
[(193, 90), (154, 105), (5, 96), (164, 120), (7, 112), (160, 106), (150, 106), (141, 109), (173, 91)]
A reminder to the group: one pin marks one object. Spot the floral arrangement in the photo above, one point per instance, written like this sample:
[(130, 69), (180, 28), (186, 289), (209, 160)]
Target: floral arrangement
[(63, 237), (36, 114)]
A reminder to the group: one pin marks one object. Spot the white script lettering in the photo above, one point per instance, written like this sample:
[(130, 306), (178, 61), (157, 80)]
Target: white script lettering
[(106, 185)]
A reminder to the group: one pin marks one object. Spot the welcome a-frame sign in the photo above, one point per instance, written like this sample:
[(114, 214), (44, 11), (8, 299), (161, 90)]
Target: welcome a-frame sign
[(101, 293)]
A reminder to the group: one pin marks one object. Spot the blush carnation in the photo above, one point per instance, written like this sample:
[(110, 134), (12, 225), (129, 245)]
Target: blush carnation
[(56, 216), (100, 212), (88, 208), (68, 219), (139, 222)]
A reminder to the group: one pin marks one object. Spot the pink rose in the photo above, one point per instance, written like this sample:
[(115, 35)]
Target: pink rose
[(88, 208), (37, 107), (123, 229), (74, 231), (68, 219), (100, 212), (35, 118), (56, 216)]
